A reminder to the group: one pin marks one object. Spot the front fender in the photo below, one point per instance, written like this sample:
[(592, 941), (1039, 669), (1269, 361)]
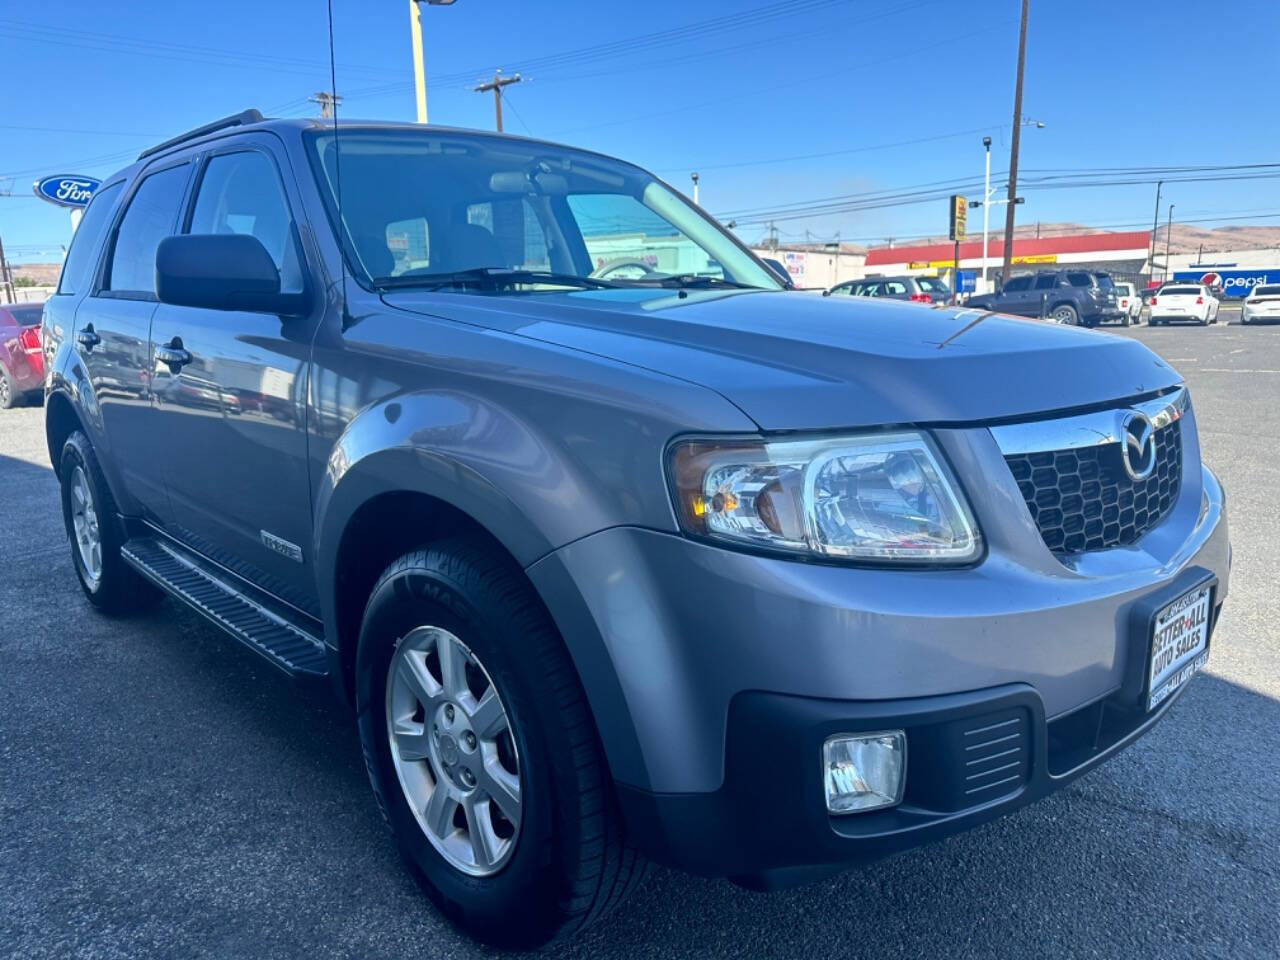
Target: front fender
[(466, 452)]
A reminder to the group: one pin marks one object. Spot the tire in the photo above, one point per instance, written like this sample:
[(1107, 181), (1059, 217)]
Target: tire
[(8, 394), (1065, 314), (568, 862), (115, 588)]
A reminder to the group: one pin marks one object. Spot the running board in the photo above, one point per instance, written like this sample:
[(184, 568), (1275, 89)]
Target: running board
[(211, 593)]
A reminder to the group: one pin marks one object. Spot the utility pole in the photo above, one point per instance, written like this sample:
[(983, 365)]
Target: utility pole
[(694, 177), (1155, 227), (1168, 239), (6, 281), (327, 101), (496, 85), (986, 211), (1013, 150)]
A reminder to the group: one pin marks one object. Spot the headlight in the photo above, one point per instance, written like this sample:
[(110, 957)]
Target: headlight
[(877, 497)]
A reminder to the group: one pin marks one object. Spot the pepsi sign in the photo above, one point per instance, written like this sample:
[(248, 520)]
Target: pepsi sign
[(1234, 283), (66, 190)]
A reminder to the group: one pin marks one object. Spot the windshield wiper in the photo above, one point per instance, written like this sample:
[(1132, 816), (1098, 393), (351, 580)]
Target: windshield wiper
[(491, 278), (686, 281)]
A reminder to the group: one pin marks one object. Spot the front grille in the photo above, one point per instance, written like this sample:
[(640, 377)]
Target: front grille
[(1082, 499)]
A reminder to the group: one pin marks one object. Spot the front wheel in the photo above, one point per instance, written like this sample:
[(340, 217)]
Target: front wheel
[(482, 752)]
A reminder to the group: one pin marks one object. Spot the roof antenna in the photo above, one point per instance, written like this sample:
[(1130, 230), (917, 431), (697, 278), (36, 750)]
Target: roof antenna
[(337, 169)]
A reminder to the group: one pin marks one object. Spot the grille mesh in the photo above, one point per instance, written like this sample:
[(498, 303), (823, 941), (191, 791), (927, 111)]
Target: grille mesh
[(1083, 499)]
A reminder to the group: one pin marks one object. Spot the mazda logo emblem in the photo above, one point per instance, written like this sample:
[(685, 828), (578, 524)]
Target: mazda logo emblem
[(1138, 438)]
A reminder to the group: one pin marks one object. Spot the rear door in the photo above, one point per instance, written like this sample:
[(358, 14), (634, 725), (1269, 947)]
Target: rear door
[(1042, 293), (113, 340), (233, 415)]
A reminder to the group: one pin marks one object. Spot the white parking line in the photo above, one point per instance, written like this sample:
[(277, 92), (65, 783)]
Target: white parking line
[(1234, 370)]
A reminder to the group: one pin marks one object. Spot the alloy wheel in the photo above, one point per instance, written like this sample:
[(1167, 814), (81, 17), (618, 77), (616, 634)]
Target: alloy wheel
[(84, 522), (454, 751)]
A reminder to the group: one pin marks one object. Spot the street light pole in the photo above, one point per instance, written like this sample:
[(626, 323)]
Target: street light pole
[(986, 211), (419, 72), (1155, 228), (1168, 239), (1013, 149), (694, 178)]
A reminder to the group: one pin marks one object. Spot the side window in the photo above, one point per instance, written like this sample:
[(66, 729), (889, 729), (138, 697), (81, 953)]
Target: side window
[(1017, 284), (88, 239), (1046, 282), (410, 244), (894, 288), (152, 216), (241, 193)]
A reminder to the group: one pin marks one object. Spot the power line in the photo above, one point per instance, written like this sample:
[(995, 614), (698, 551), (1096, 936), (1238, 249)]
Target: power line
[(167, 50)]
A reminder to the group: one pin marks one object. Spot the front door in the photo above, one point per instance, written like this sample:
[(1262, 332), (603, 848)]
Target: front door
[(231, 395), (113, 334)]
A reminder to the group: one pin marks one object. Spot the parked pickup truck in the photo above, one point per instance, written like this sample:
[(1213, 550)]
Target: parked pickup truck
[(1129, 303), (1066, 296), (672, 566)]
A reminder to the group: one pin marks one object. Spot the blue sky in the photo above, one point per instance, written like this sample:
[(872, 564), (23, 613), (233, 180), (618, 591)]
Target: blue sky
[(888, 94)]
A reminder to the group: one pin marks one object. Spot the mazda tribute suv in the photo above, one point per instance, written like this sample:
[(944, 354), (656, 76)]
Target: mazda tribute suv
[(618, 551)]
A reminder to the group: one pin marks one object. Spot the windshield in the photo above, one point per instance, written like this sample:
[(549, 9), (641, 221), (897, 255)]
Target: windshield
[(1180, 291), (1124, 289), (473, 212), (1104, 281), (1268, 290)]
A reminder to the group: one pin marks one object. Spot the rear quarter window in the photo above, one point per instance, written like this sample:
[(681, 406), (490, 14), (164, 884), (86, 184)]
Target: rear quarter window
[(1079, 279), (82, 256)]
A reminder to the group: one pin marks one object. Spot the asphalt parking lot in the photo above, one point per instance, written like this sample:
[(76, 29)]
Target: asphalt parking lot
[(164, 793)]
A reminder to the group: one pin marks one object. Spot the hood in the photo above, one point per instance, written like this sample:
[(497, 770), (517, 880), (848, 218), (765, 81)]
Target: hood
[(798, 361)]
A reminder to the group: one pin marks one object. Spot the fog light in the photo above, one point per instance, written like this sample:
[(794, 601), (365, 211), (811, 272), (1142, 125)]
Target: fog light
[(864, 772)]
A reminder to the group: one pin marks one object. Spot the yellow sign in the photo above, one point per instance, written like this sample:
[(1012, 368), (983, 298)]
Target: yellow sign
[(948, 263), (959, 214)]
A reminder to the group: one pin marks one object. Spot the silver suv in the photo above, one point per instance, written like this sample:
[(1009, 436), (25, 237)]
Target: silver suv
[(619, 551)]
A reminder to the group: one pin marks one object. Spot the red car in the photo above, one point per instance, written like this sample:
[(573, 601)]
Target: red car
[(21, 359)]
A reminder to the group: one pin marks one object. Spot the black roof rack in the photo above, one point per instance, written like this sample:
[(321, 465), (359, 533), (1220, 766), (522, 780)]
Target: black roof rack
[(235, 120)]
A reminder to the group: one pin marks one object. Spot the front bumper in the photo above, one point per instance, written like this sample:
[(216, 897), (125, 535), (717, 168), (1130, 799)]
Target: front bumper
[(971, 757), (714, 676)]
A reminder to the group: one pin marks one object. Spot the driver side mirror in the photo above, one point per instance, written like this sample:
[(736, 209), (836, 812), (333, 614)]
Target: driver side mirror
[(222, 272), (780, 270)]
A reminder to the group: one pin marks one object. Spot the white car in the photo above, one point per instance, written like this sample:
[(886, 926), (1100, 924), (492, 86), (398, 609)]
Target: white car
[(1262, 303), (1184, 301), (1127, 300)]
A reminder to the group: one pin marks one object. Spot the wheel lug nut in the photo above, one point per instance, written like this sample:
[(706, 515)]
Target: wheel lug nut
[(470, 740), (468, 778), (448, 713)]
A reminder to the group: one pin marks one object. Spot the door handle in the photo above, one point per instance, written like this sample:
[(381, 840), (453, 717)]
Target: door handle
[(87, 338), (173, 354)]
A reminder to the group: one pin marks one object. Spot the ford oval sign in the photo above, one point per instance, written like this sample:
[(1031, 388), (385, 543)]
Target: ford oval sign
[(67, 191)]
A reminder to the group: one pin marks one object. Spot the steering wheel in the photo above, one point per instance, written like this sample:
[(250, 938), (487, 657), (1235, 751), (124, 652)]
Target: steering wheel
[(605, 269)]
